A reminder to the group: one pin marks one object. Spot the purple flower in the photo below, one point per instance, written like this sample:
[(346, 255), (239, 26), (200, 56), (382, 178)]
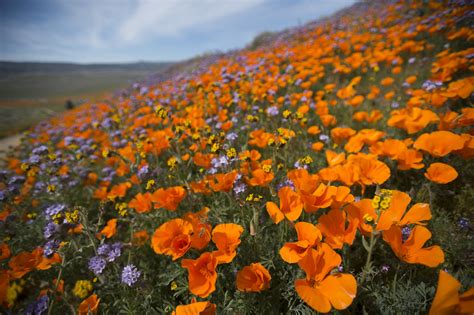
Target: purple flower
[(272, 111), (463, 223), (54, 209), (49, 230), (238, 189), (324, 137), (38, 307), (115, 251), (406, 231), (51, 247), (110, 251), (97, 265), (231, 136), (130, 275)]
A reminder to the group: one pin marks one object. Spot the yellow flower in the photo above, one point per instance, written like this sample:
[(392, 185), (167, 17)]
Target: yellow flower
[(267, 168), (368, 218), (174, 286), (12, 293), (231, 153), (151, 182), (82, 288), (215, 147)]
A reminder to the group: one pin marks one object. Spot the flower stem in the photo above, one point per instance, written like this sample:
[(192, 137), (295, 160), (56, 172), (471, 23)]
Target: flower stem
[(368, 261)]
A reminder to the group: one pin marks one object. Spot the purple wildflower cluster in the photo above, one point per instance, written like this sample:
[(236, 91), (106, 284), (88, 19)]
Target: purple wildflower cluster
[(105, 253), (130, 275)]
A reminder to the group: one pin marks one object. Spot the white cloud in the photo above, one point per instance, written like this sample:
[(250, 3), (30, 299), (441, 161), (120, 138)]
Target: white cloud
[(172, 17)]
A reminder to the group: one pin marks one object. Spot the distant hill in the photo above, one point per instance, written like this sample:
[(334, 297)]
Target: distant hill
[(32, 91), (13, 68)]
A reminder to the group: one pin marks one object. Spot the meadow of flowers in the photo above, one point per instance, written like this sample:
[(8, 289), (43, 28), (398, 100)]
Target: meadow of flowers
[(328, 170)]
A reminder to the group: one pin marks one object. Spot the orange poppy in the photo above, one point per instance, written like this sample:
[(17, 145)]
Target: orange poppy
[(321, 198), (253, 278), (4, 251), (24, 262), (291, 206), (334, 158), (411, 250), (202, 275), (4, 284), (394, 211), (441, 173), (118, 191), (410, 159), (89, 305), (320, 289), (439, 143), (333, 227), (364, 213), (203, 160), (223, 182), (261, 177), (308, 236), (447, 299), (168, 198), (172, 238), (141, 203), (110, 229), (201, 230), (196, 308), (226, 237)]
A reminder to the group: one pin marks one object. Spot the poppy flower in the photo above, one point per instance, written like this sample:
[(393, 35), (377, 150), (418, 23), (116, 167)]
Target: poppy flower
[(223, 182), (141, 203), (334, 158), (411, 251), (305, 183), (4, 284), (201, 230), (226, 237), (168, 198), (441, 173), (172, 238), (364, 215), (24, 262), (410, 159), (439, 143), (333, 227), (203, 160), (308, 236), (341, 197), (202, 275), (89, 305), (321, 198), (4, 251), (118, 191), (447, 299), (196, 308), (394, 211), (253, 278), (411, 119), (321, 290), (291, 206), (261, 177), (110, 229)]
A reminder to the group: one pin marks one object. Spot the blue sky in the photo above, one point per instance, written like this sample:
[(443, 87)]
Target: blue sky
[(87, 31)]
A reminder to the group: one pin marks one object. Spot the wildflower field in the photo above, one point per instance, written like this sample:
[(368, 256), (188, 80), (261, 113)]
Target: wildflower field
[(326, 170)]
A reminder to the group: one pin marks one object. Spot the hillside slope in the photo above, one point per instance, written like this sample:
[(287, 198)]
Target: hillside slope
[(327, 169)]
